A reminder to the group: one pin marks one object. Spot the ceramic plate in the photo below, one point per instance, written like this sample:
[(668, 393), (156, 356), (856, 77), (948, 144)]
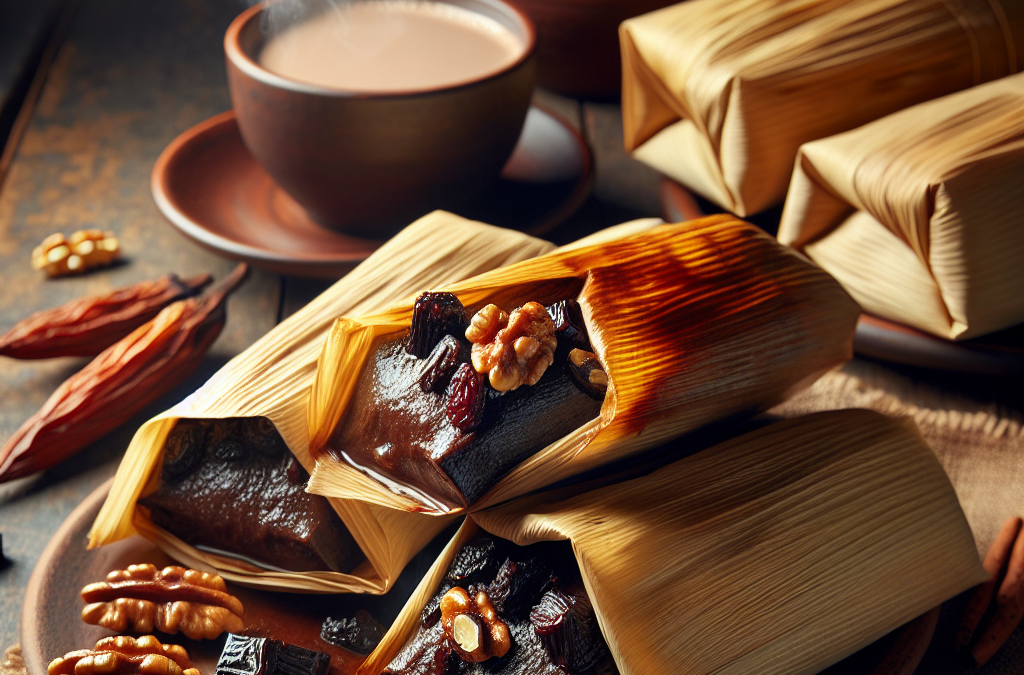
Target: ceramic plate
[(997, 354), (51, 624), (210, 187)]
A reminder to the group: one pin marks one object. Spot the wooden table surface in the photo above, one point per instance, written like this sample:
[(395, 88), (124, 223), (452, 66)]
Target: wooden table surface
[(91, 91)]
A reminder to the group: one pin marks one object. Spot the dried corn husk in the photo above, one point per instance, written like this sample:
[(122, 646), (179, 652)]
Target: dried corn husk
[(780, 551), (920, 215), (720, 94), (272, 379), (694, 323)]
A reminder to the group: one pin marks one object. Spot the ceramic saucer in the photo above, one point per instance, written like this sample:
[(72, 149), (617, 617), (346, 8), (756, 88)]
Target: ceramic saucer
[(208, 185), (1001, 353)]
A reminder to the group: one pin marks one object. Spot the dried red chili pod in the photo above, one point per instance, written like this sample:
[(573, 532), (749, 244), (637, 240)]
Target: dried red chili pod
[(87, 326), (120, 382)]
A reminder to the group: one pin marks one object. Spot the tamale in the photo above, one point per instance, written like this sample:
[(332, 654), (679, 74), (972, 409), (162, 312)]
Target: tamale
[(694, 323), (272, 379), (780, 551), (720, 94), (920, 215)]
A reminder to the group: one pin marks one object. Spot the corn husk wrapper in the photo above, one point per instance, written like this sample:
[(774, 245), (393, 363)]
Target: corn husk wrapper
[(694, 323), (720, 94), (920, 215), (272, 379), (780, 551)]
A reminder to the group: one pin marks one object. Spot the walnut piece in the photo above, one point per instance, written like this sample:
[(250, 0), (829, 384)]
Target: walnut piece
[(473, 627), (123, 655), (80, 252), (515, 350), (171, 600)]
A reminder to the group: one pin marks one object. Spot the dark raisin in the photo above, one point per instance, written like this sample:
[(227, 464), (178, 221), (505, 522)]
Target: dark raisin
[(433, 316), (569, 327), (441, 364), (262, 656), (360, 634), (476, 561), (296, 473), (183, 450), (230, 450), (263, 437), (588, 372), (565, 624), (466, 398), (518, 586)]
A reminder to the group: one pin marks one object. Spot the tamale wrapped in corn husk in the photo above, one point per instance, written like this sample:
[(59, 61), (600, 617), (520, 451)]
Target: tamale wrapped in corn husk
[(920, 215), (272, 379), (720, 94), (694, 323), (780, 551)]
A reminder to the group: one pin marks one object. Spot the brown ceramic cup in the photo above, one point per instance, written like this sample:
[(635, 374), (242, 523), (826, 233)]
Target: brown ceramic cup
[(369, 163)]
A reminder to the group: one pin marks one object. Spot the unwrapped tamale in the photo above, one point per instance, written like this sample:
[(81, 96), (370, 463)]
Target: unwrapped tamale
[(780, 551), (920, 215), (720, 94), (693, 323)]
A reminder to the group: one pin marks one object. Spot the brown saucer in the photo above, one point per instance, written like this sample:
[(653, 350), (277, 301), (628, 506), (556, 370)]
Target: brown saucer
[(51, 627), (1000, 353), (208, 185)]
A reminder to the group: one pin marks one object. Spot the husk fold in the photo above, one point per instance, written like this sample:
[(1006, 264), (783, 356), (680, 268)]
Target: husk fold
[(920, 215), (780, 551), (272, 379), (720, 94), (694, 322)]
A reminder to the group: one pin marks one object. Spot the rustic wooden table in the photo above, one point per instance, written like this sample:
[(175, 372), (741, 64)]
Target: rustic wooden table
[(92, 90)]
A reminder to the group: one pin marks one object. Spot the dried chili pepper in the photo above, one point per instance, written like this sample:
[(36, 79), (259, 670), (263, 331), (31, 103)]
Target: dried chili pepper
[(120, 382), (87, 326)]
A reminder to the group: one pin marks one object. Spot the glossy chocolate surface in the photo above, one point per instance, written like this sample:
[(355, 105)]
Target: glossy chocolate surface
[(401, 435), (233, 486), (521, 581)]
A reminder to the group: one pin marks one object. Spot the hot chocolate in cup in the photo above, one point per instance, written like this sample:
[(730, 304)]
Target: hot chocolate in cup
[(371, 113)]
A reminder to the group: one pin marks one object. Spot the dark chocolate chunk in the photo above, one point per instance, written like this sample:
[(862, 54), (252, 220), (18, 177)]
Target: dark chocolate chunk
[(441, 363), (569, 327), (433, 316), (565, 623), (239, 499), (263, 656), (360, 634), (518, 586), (430, 653)]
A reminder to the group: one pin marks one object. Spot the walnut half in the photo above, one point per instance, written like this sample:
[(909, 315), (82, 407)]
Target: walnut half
[(123, 655), (515, 350), (82, 251), (170, 600)]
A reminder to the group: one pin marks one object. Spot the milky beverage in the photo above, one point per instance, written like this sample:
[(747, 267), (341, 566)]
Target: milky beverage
[(391, 45)]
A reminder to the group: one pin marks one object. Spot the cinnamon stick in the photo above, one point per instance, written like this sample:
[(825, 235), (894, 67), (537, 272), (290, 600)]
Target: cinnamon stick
[(995, 561), (1009, 606)]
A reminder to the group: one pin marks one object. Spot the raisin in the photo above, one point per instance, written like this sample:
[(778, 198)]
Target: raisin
[(263, 437), (441, 363), (230, 450), (569, 327), (466, 398), (518, 586), (184, 450), (566, 626), (360, 634), (433, 316), (588, 372), (476, 561)]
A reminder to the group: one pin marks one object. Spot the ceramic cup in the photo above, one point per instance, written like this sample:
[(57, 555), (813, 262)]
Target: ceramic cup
[(369, 163)]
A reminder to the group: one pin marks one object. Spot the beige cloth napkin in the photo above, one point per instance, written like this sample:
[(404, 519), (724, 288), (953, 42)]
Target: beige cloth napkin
[(920, 215), (720, 94)]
